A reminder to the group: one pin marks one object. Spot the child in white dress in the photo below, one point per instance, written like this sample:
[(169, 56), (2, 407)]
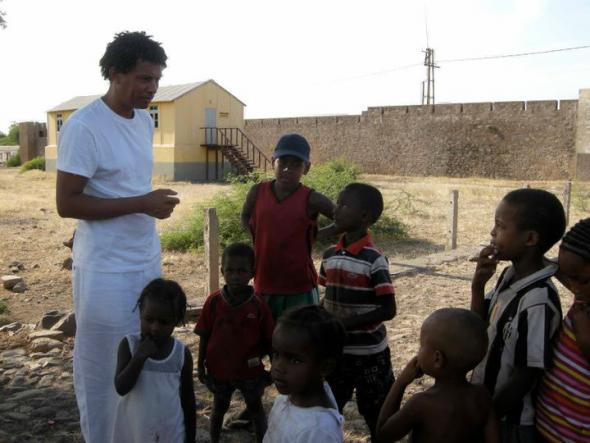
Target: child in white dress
[(307, 344), (154, 373)]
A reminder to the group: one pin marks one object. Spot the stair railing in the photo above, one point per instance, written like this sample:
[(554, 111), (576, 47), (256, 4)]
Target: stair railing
[(237, 138)]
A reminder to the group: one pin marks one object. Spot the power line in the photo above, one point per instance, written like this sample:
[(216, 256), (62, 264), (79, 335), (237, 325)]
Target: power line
[(521, 54), (386, 71), (455, 60)]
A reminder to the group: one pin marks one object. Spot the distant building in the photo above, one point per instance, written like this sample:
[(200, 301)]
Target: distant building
[(198, 132)]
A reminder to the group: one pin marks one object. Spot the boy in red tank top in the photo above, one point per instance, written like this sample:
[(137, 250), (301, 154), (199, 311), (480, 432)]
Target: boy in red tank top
[(281, 216)]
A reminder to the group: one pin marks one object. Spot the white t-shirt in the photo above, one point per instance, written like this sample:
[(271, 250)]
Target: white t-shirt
[(115, 154), (288, 423)]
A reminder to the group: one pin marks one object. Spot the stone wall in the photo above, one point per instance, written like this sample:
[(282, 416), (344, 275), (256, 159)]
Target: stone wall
[(520, 140)]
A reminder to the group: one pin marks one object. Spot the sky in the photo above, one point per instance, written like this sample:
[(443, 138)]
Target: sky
[(287, 58)]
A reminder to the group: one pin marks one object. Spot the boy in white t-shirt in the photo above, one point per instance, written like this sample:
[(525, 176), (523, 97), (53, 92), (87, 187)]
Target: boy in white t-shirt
[(307, 343), (104, 164)]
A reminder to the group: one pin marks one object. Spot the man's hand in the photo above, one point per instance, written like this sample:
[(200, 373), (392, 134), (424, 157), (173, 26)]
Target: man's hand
[(160, 203), (72, 202)]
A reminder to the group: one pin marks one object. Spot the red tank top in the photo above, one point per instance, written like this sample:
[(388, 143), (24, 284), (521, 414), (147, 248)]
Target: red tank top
[(283, 235)]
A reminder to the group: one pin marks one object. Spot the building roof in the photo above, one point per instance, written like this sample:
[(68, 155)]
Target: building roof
[(164, 94)]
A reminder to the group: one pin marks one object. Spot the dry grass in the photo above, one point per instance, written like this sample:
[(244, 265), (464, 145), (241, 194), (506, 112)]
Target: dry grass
[(32, 232), (423, 204)]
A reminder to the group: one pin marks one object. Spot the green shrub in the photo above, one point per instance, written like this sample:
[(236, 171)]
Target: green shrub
[(3, 307), (13, 136), (228, 205), (13, 160), (35, 163), (331, 177), (327, 178)]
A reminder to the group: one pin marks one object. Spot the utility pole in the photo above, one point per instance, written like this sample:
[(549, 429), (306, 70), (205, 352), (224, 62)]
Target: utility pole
[(428, 84)]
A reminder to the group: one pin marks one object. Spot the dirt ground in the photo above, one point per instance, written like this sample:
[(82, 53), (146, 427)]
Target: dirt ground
[(32, 233)]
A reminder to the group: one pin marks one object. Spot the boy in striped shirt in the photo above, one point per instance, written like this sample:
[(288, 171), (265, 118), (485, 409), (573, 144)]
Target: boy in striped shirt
[(359, 292), (523, 311)]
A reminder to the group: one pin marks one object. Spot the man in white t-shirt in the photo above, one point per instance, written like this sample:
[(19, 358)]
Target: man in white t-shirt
[(104, 177)]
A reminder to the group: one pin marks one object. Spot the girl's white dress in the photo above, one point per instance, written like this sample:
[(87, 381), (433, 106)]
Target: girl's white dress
[(151, 411), (288, 423)]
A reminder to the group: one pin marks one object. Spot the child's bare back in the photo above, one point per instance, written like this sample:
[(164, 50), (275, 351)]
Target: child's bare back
[(451, 414), (452, 342)]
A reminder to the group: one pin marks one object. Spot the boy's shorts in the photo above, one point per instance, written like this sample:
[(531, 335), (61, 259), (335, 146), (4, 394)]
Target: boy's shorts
[(251, 388), (370, 375), (280, 303)]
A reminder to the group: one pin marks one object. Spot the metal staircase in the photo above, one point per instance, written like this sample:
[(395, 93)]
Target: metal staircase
[(235, 146)]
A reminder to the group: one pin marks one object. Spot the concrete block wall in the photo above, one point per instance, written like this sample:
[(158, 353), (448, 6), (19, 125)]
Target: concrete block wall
[(32, 140), (518, 140)]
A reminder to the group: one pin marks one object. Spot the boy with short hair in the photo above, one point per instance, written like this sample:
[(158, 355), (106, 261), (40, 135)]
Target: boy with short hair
[(359, 292), (281, 216), (236, 329), (523, 311), (452, 342)]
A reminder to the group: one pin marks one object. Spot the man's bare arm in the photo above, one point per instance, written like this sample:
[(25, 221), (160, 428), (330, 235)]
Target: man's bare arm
[(73, 203)]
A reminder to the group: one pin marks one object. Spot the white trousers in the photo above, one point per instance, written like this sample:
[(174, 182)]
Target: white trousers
[(104, 303)]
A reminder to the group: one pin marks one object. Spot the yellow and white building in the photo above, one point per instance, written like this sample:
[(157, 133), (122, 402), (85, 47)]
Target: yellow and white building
[(197, 137)]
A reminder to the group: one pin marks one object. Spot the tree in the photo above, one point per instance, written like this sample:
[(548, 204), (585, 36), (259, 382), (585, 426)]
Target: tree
[(12, 137), (2, 19)]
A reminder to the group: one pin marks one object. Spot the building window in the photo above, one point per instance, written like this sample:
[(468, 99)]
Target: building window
[(59, 121), (155, 115)]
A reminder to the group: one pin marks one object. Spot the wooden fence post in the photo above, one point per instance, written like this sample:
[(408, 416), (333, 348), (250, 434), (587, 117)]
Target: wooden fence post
[(567, 197), (211, 234), (453, 219)]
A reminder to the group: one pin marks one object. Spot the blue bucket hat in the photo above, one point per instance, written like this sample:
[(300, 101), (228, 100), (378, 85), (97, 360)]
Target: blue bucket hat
[(292, 144)]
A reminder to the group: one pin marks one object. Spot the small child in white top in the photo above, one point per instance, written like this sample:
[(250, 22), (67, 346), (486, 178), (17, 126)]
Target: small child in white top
[(154, 375), (307, 344)]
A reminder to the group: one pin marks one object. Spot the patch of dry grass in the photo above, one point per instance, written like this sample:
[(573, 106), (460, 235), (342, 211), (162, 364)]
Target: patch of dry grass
[(423, 204)]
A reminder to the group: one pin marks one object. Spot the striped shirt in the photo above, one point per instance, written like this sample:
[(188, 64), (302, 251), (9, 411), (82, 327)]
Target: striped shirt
[(523, 317), (354, 276), (563, 404)]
